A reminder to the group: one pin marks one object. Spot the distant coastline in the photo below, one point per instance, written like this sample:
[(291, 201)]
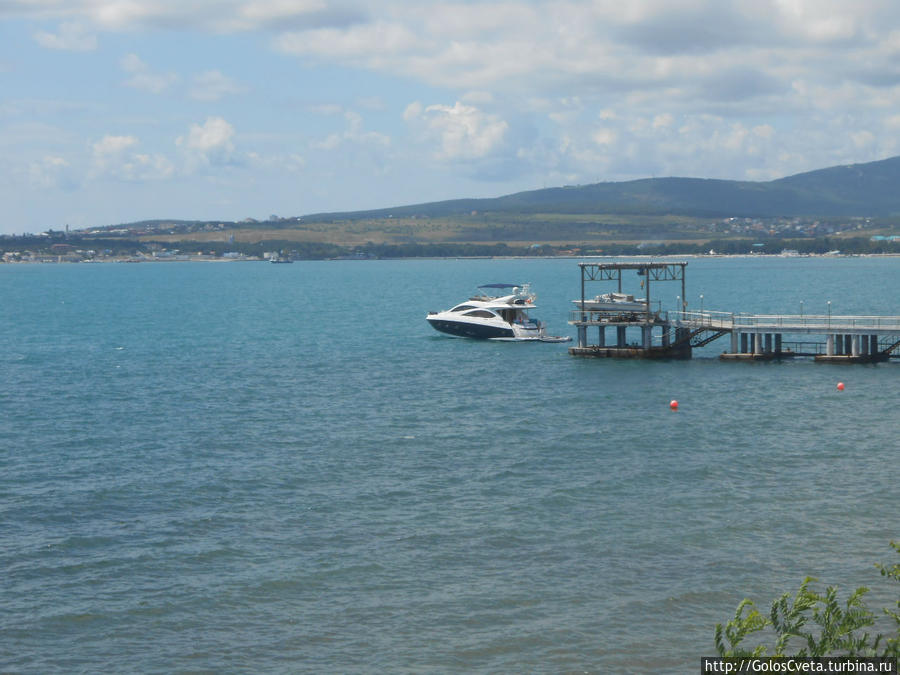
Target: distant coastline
[(212, 259), (80, 247)]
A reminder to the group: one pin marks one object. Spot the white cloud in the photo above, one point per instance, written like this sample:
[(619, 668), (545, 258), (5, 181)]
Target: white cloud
[(261, 13), (49, 172), (413, 111), (862, 139), (604, 137), (143, 166), (143, 78), (210, 143), (327, 109), (377, 44), (213, 135), (118, 15), (213, 86), (110, 146), (372, 103), (115, 156), (330, 142), (71, 36), (290, 162), (354, 134), (460, 131), (663, 121)]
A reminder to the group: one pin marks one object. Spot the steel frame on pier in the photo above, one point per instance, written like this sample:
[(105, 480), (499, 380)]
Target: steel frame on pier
[(848, 339), (672, 346)]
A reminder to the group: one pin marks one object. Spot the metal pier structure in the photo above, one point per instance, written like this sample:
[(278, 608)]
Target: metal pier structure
[(637, 330)]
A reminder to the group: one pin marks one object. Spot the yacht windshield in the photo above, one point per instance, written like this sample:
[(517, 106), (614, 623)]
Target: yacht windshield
[(482, 313)]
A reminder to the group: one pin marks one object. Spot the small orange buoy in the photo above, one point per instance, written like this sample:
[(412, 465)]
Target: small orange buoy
[(673, 404), (840, 386)]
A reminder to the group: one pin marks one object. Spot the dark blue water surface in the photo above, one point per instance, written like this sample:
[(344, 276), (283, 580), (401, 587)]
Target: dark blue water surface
[(282, 468)]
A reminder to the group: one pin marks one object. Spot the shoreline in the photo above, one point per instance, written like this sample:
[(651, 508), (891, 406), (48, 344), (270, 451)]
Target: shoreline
[(693, 256)]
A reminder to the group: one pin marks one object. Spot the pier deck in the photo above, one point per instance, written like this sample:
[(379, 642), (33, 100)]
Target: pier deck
[(675, 333)]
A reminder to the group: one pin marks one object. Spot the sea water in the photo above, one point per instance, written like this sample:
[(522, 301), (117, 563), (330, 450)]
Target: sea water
[(248, 467)]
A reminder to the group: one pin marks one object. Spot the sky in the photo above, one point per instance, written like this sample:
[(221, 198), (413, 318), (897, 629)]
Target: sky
[(114, 111)]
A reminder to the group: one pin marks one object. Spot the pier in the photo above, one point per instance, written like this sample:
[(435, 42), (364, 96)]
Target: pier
[(617, 325)]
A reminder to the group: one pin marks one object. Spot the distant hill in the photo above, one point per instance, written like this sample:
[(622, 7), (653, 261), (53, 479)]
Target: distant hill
[(858, 200), (870, 189)]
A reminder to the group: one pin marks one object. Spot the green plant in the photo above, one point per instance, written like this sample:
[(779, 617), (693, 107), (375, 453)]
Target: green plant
[(893, 572), (811, 624)]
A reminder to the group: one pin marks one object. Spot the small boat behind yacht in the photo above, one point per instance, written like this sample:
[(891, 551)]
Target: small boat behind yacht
[(495, 317), (613, 302)]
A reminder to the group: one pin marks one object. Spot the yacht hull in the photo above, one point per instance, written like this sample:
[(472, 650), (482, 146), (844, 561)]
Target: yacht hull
[(471, 330)]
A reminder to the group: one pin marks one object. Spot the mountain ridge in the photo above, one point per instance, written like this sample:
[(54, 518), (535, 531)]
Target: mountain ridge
[(864, 189)]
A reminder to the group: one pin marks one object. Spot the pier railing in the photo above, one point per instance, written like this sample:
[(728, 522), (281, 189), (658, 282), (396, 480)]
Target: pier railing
[(601, 317), (817, 321), (785, 323), (700, 319)]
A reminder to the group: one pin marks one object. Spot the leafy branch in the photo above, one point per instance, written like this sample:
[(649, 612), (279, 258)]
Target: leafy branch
[(893, 572), (811, 624)]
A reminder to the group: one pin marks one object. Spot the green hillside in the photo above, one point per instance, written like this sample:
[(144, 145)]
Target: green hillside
[(844, 191), (816, 211)]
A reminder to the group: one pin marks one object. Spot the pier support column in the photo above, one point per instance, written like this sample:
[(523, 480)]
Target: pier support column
[(864, 345), (829, 345), (854, 345), (744, 349), (768, 342), (839, 344), (582, 336), (777, 343), (735, 341), (646, 336), (620, 336), (601, 336), (758, 343), (848, 344), (873, 344)]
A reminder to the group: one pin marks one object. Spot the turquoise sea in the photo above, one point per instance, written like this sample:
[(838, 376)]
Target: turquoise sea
[(247, 467)]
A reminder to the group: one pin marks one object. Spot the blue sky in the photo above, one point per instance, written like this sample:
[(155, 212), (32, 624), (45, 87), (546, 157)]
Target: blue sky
[(114, 111)]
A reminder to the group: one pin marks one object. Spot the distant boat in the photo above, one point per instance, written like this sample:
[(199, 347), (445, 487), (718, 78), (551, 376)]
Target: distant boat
[(278, 260), (612, 302)]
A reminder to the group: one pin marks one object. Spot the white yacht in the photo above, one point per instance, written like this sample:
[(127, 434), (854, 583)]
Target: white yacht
[(494, 317), (613, 302)]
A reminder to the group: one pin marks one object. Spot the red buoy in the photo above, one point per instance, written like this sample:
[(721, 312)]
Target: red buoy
[(673, 404), (840, 386)]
